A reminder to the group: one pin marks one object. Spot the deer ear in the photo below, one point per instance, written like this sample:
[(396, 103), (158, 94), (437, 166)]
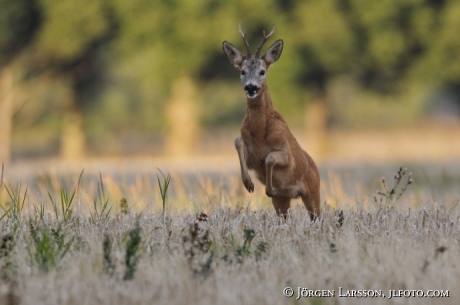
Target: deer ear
[(235, 56), (273, 53)]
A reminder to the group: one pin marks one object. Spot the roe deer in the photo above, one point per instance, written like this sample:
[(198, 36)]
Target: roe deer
[(266, 144)]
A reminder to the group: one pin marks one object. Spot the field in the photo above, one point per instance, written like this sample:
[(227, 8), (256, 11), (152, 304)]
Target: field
[(137, 234)]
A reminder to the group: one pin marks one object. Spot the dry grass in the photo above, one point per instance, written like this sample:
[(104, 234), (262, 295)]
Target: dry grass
[(238, 253)]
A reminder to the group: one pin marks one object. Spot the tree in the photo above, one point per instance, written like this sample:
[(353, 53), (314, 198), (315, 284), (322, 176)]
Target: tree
[(440, 64), (156, 65), (19, 21), (172, 43), (69, 44)]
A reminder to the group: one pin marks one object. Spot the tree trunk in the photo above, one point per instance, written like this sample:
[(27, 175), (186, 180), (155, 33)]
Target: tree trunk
[(72, 134), (316, 128), (182, 116), (6, 112)]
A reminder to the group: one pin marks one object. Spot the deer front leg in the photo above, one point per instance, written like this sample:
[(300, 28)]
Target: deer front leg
[(279, 158), (240, 148)]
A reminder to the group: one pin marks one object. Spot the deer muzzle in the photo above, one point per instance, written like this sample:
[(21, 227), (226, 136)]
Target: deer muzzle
[(251, 90)]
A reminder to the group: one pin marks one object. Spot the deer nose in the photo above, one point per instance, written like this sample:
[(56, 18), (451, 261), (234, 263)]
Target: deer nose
[(251, 89)]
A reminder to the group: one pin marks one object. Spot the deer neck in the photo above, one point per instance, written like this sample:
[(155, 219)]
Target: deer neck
[(260, 104), (258, 112)]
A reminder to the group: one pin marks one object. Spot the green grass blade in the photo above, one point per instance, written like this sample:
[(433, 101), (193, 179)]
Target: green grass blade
[(6, 213), (55, 208)]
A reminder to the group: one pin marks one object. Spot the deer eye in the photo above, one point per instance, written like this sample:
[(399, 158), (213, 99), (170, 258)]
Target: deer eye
[(262, 72), (243, 72)]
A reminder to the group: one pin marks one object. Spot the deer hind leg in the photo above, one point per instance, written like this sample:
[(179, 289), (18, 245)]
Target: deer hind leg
[(242, 153), (312, 204), (281, 205), (279, 158)]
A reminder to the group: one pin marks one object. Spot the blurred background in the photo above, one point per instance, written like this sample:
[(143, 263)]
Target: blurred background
[(358, 80)]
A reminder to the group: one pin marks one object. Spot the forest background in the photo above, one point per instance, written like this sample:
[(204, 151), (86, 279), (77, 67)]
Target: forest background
[(100, 78)]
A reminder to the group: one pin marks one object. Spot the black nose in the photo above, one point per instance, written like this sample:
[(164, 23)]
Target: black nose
[(251, 89)]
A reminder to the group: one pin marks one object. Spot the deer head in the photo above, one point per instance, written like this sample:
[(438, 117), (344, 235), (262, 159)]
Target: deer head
[(253, 67)]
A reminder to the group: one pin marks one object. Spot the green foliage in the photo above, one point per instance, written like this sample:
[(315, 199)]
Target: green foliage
[(197, 249), (124, 208), (229, 110), (163, 188), (200, 253), (109, 267), (7, 266), (64, 211), (120, 58), (40, 210), (103, 213), (132, 252), (65, 34), (260, 250), (6, 245), (19, 21), (244, 251), (340, 219), (15, 205), (443, 58), (49, 245), (104, 210), (332, 248), (332, 42)]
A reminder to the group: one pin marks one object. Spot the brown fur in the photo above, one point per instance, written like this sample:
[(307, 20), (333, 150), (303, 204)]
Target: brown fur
[(268, 145)]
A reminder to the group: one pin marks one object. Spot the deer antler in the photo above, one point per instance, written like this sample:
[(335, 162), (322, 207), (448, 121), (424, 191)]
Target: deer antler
[(245, 40), (259, 48)]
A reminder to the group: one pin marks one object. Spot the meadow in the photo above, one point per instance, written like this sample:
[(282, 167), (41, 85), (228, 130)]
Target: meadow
[(138, 234)]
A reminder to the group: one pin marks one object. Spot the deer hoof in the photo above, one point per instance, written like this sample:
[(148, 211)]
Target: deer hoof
[(271, 192), (249, 185)]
